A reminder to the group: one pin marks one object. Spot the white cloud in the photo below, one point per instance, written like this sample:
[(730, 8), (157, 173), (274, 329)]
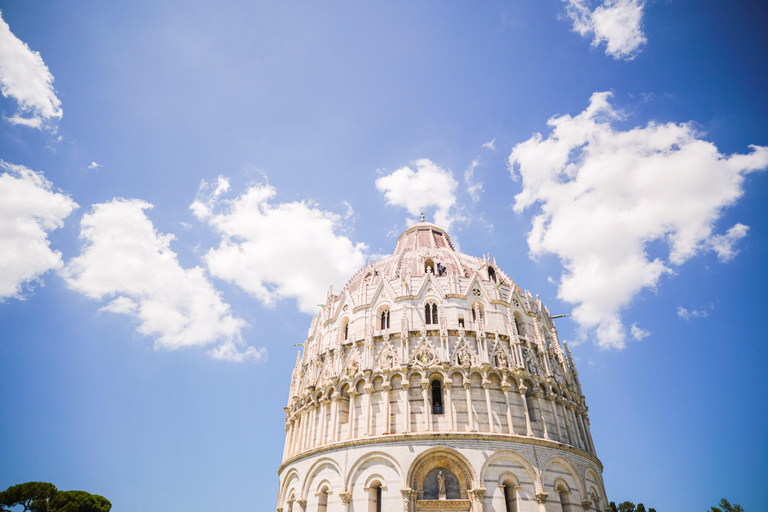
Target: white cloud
[(126, 259), (427, 188), (638, 333), (95, 166), (605, 194), (278, 250), (29, 210), (473, 188), (687, 315), (25, 77), (617, 23), (491, 145)]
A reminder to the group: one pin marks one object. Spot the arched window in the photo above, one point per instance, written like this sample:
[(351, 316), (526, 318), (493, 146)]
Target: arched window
[(461, 321), (322, 500), (477, 308), (565, 498), (385, 318), (437, 397), (491, 274), (510, 496), (519, 324), (345, 331), (430, 313), (429, 266), (374, 497)]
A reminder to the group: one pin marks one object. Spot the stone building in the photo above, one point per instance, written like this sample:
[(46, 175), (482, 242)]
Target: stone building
[(433, 382)]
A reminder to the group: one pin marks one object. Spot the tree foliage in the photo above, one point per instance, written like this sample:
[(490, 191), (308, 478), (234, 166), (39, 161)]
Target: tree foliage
[(628, 506), (725, 506), (44, 497)]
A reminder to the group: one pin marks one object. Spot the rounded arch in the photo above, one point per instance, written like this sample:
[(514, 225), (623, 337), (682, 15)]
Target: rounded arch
[(430, 310), (358, 465), (383, 313), (324, 487), (591, 474), (374, 479), (571, 470), (560, 485), (286, 487), (435, 457), (315, 468), (519, 458), (344, 327), (436, 374)]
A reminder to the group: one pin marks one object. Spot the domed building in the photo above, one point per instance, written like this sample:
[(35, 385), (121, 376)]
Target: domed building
[(433, 382)]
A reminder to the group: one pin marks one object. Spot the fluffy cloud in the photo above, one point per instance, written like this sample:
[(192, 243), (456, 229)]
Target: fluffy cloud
[(617, 23), (127, 260), (605, 194), (687, 315), (94, 166), (25, 77), (429, 187), (491, 145), (277, 250), (473, 187), (29, 209), (638, 333)]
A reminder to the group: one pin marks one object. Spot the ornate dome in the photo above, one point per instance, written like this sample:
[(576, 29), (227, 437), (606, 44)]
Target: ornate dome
[(425, 360)]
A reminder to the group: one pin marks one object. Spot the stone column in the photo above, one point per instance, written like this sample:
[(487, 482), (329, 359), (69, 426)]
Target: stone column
[(470, 417), (288, 439), (323, 421), (591, 442), (522, 389), (406, 408), (584, 431), (409, 499), (304, 428), (579, 440), (313, 426), (538, 395), (561, 403), (387, 388), (449, 404), (368, 408), (337, 398), (425, 397), (352, 413), (477, 497), (505, 390), (346, 499), (297, 436), (486, 386), (551, 399), (541, 498)]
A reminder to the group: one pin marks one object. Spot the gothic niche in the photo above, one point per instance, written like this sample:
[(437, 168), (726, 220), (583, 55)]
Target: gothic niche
[(441, 484)]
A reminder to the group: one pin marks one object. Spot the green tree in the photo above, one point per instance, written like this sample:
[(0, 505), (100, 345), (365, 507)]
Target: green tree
[(31, 495), (725, 506), (627, 506), (44, 497), (640, 508)]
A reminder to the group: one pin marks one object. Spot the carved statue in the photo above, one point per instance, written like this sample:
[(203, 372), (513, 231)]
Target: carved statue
[(441, 485), (501, 360)]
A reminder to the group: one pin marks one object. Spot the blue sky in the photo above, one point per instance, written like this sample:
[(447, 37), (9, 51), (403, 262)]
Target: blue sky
[(182, 181)]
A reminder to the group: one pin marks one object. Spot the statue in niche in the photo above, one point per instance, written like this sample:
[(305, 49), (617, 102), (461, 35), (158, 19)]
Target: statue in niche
[(501, 360), (353, 367), (464, 358), (440, 486), (532, 367)]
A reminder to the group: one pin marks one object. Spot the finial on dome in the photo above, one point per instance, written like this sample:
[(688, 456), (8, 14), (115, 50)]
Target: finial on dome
[(422, 217)]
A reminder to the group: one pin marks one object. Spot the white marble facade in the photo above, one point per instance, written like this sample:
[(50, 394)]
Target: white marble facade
[(432, 361)]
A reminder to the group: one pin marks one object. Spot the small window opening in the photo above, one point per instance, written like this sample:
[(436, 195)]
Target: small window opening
[(429, 267), (461, 321), (374, 497), (491, 274), (437, 397), (385, 319), (430, 313), (346, 329), (322, 500)]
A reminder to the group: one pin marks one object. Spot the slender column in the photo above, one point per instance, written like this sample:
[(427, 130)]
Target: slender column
[(313, 426), (406, 408), (577, 434), (584, 431), (297, 437), (561, 403), (409, 497), (287, 439), (449, 404), (323, 421), (467, 387), (425, 398), (478, 502), (336, 411), (387, 389), (541, 498), (369, 395), (551, 399), (522, 389), (352, 414), (589, 434), (537, 395), (486, 386), (505, 390), (346, 499), (304, 429)]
